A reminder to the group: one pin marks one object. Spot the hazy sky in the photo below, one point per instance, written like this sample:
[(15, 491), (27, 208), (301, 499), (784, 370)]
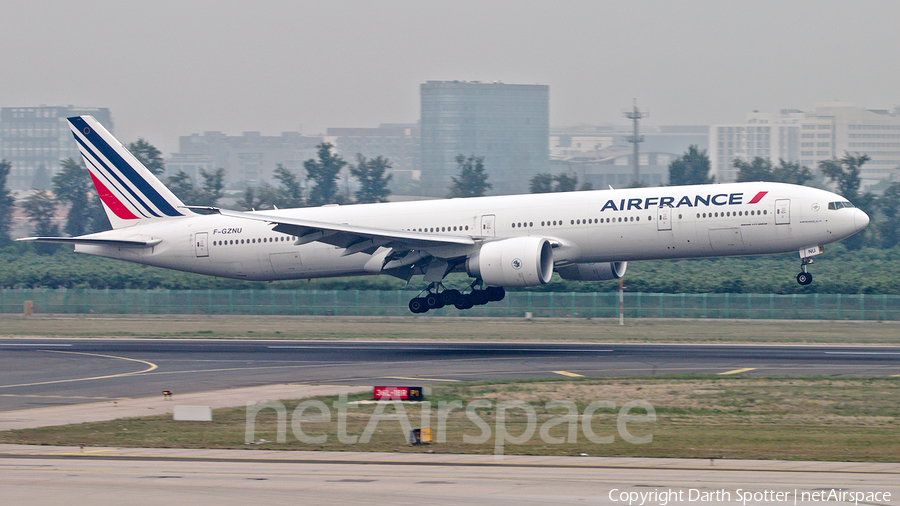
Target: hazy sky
[(170, 68)]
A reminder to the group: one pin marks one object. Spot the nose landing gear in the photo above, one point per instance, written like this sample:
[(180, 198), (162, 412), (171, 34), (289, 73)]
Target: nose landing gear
[(804, 278)]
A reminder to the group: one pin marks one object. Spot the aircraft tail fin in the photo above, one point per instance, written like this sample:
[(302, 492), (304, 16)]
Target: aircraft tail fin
[(130, 193)]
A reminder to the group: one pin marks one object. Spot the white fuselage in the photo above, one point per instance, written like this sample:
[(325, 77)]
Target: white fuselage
[(592, 226)]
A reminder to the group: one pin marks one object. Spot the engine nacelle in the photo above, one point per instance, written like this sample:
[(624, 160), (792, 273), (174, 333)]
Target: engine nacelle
[(520, 261), (593, 272)]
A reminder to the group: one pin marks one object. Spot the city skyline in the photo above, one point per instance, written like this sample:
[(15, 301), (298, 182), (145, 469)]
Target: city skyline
[(168, 69)]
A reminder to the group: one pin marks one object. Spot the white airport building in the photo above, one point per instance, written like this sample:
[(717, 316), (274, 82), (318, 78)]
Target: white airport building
[(830, 130)]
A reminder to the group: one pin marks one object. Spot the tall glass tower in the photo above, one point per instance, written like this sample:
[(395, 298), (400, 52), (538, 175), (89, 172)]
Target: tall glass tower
[(507, 124)]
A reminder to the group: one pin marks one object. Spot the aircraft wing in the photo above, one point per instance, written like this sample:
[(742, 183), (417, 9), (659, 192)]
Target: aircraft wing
[(122, 243), (356, 239)]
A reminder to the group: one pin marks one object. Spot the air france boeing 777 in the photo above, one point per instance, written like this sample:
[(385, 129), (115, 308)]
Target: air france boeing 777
[(504, 241)]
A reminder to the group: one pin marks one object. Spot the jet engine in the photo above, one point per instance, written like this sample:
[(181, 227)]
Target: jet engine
[(593, 272), (520, 261)]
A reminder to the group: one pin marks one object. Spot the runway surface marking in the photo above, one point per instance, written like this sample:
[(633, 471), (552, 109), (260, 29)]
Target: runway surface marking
[(651, 370), (436, 348), (106, 454), (569, 374), (58, 396), (737, 371), (862, 352), (151, 367), (35, 345), (416, 379), (306, 365)]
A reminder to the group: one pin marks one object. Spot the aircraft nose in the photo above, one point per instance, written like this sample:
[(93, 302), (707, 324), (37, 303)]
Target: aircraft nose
[(860, 220)]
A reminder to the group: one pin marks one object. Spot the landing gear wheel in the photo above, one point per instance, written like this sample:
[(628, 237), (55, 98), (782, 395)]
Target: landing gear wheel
[(417, 305), (449, 297), (464, 302), (433, 301), (495, 293), (479, 297), (804, 278)]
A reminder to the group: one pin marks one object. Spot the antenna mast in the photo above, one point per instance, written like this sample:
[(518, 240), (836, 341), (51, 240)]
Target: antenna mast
[(635, 115)]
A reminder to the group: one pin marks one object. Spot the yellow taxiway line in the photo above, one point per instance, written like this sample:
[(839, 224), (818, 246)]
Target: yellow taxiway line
[(569, 374), (151, 367), (737, 371)]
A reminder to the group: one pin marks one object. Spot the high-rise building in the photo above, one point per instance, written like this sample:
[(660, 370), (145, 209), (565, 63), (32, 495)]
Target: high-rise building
[(34, 140), (770, 136), (830, 130), (833, 129), (507, 124)]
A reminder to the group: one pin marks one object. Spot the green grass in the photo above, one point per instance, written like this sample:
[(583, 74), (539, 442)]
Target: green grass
[(411, 328), (805, 418)]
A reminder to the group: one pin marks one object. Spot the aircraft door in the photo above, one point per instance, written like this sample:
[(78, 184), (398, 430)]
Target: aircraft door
[(201, 246), (664, 218), (487, 225), (783, 212)]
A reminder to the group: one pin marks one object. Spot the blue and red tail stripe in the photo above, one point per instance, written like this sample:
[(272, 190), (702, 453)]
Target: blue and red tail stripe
[(94, 144), (127, 189)]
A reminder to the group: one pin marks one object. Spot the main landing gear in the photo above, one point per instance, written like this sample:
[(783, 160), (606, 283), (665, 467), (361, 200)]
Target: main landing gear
[(436, 297), (804, 278)]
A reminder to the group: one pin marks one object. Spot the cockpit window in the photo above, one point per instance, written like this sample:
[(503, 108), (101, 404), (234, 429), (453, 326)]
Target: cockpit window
[(839, 205)]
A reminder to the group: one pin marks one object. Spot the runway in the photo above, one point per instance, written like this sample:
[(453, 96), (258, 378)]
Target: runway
[(52, 372)]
